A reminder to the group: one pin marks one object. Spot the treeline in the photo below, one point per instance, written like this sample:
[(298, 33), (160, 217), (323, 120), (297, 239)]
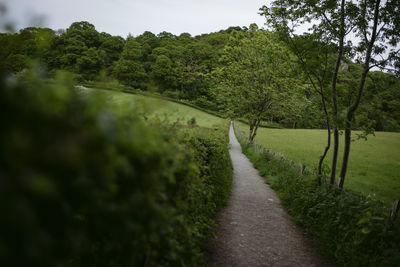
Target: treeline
[(183, 67), (85, 185), (177, 66)]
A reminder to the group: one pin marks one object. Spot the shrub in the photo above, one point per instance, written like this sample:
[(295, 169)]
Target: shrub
[(215, 163), (82, 186), (192, 121), (353, 230)]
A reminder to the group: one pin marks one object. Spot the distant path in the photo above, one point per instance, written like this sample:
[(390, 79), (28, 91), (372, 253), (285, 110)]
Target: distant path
[(253, 229)]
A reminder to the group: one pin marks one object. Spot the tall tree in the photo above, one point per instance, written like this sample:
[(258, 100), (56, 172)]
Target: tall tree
[(377, 24), (326, 19), (129, 69), (314, 56), (112, 47), (254, 75), (90, 63)]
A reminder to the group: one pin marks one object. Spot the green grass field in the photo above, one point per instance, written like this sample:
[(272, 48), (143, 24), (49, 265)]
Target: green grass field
[(156, 107), (374, 165)]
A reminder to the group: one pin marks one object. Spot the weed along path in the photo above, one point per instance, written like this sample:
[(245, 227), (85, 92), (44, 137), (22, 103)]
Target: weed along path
[(254, 230)]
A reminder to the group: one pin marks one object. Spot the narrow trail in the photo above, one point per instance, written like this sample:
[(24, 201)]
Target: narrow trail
[(254, 230)]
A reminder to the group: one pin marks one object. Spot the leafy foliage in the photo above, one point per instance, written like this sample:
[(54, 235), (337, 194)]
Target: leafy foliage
[(84, 185), (254, 76)]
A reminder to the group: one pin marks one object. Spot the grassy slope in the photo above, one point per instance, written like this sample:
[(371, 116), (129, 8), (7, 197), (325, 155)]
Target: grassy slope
[(374, 165), (161, 108)]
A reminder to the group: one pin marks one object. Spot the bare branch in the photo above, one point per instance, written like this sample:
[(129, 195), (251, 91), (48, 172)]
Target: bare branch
[(329, 22), (381, 28), (385, 60)]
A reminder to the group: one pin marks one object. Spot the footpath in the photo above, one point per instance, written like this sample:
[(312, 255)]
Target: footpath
[(254, 230)]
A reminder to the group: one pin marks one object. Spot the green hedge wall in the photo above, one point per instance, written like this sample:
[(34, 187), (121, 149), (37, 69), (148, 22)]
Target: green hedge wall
[(82, 186)]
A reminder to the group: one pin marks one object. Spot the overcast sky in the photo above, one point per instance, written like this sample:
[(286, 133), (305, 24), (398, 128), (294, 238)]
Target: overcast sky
[(121, 17)]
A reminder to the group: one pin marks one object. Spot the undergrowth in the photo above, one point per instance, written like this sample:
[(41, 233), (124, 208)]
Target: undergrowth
[(351, 229)]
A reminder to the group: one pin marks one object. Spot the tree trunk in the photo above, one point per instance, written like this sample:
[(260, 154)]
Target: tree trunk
[(352, 109), (251, 124), (334, 95), (346, 152), (255, 130), (335, 154), (328, 145), (349, 118)]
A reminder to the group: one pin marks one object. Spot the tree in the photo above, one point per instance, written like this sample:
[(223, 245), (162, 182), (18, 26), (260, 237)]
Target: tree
[(378, 25), (85, 32), (162, 73), (254, 75), (36, 41), (380, 102), (16, 63), (71, 50), (129, 68), (329, 26), (90, 63), (112, 46), (313, 53), (19, 49), (149, 42)]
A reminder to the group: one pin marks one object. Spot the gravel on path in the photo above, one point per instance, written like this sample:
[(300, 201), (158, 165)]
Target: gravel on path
[(254, 230)]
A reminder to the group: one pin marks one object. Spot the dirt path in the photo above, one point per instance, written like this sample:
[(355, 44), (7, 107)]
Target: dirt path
[(254, 230)]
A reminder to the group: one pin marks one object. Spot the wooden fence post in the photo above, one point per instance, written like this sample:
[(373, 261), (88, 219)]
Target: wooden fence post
[(302, 168), (395, 210)]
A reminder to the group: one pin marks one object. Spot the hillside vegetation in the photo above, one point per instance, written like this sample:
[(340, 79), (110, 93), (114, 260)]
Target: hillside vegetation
[(183, 67), (152, 107)]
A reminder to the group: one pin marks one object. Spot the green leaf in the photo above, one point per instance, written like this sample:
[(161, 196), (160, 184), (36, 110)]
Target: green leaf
[(363, 220), (365, 230)]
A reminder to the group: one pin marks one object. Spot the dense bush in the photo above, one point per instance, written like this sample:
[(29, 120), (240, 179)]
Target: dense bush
[(212, 157), (353, 230), (81, 186)]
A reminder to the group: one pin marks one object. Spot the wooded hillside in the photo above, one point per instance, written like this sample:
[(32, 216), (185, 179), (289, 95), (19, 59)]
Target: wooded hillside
[(184, 67)]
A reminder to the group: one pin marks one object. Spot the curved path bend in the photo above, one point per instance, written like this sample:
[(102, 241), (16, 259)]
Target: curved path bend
[(254, 230)]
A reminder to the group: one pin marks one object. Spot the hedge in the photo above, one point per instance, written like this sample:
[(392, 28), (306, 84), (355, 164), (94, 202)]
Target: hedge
[(83, 186)]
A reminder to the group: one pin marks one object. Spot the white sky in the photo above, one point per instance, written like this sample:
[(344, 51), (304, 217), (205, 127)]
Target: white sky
[(120, 17)]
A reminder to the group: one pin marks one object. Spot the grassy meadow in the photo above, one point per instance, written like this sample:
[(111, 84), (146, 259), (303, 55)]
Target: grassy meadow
[(156, 107), (374, 165)]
